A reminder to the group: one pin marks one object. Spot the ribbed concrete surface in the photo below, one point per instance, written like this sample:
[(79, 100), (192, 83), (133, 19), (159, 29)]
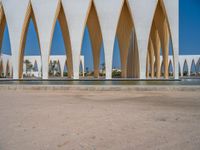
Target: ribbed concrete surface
[(101, 87)]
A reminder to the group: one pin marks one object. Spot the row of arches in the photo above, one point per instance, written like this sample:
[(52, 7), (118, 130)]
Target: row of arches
[(32, 66), (139, 34), (189, 67), (159, 45)]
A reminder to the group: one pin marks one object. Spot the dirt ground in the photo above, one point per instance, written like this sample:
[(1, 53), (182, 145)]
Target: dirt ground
[(72, 120)]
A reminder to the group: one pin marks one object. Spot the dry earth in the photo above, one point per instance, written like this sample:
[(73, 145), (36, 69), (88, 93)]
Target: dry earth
[(32, 120)]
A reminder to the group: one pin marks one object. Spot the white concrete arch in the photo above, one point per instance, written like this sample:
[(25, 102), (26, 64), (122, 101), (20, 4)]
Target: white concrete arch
[(127, 42), (82, 61), (62, 64), (189, 63), (160, 24), (172, 12), (66, 37), (2, 24), (110, 20), (59, 67), (62, 59), (15, 15), (76, 14), (181, 62), (185, 65), (8, 71), (108, 13), (45, 12), (193, 63), (35, 66), (6, 62), (5, 66), (170, 59), (142, 12), (1, 68), (95, 33), (29, 15), (198, 66), (170, 67)]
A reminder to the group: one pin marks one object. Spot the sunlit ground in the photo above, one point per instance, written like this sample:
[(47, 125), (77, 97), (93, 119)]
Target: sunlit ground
[(99, 120)]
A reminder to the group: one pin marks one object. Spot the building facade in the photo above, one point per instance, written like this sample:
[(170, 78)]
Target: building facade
[(144, 29)]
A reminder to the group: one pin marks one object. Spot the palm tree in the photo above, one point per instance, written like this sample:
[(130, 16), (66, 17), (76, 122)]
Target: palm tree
[(29, 65)]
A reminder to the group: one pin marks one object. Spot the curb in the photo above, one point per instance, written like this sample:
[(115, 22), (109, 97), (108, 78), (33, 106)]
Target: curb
[(99, 88)]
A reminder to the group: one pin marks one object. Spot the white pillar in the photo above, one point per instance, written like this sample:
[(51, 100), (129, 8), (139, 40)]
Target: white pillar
[(15, 16), (142, 12), (172, 12), (76, 12), (45, 12), (108, 12)]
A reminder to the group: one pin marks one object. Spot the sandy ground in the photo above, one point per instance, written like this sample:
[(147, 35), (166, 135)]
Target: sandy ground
[(99, 120)]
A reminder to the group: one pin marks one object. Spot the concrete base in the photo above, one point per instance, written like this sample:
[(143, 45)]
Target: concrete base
[(100, 87)]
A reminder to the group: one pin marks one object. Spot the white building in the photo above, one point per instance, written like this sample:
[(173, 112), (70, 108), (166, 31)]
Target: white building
[(142, 27)]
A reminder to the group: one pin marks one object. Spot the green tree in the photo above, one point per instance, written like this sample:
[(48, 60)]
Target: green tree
[(29, 65)]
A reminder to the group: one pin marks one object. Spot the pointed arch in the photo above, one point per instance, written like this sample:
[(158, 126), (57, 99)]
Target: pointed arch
[(162, 68), (185, 68), (5, 45), (95, 33), (179, 69), (2, 24), (7, 73), (193, 68), (1, 69), (65, 69), (50, 68), (35, 67), (198, 67), (58, 68), (108, 15), (170, 68), (28, 17), (160, 27), (127, 38), (61, 18)]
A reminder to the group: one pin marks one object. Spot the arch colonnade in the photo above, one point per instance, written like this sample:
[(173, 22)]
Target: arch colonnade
[(187, 63), (144, 29), (6, 66)]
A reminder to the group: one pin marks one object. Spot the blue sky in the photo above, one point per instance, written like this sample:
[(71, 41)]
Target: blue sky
[(189, 37)]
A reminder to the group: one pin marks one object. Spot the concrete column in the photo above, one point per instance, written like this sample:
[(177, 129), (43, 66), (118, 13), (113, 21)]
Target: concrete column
[(176, 65), (2, 25), (45, 13), (15, 15), (83, 65), (1, 67), (108, 13), (67, 42), (156, 44), (76, 13), (125, 27), (130, 61), (136, 66), (151, 56), (143, 17), (147, 66), (165, 40), (95, 37), (172, 13)]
